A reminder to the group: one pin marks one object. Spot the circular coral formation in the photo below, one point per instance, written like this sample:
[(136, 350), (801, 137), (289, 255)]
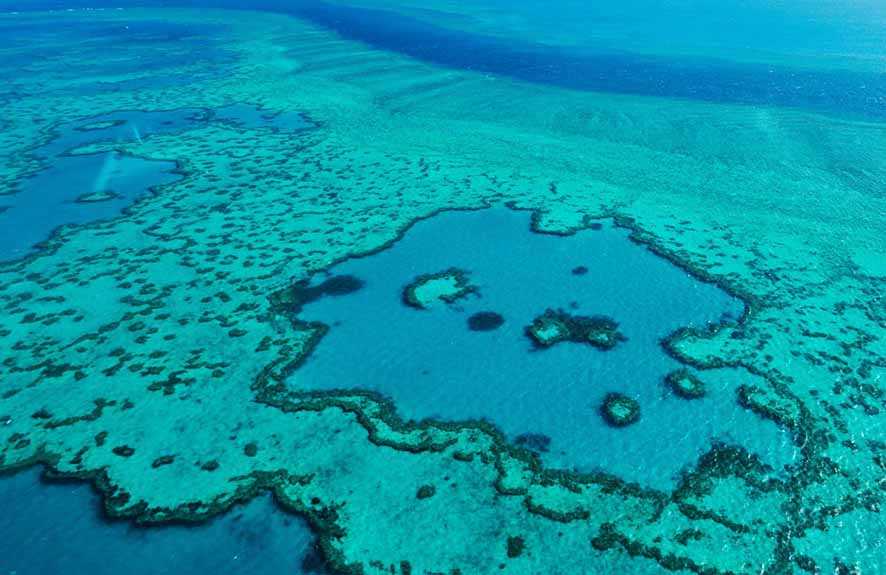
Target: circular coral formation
[(685, 384), (485, 321), (619, 410), (447, 286), (425, 492), (555, 326)]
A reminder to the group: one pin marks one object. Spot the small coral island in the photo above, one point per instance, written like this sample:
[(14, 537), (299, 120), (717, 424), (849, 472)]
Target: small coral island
[(555, 326), (619, 410), (685, 384), (447, 286), (97, 196)]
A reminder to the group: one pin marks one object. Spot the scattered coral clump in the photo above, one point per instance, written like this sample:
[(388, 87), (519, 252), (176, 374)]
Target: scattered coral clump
[(685, 384), (447, 286), (619, 410), (555, 326)]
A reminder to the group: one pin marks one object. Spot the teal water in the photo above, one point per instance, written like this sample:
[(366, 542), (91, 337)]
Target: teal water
[(433, 366), (59, 528)]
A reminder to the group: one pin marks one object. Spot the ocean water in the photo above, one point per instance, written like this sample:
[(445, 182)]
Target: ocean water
[(59, 528), (168, 168)]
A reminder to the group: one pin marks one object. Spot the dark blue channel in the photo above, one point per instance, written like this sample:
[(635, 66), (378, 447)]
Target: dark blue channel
[(708, 80), (839, 92)]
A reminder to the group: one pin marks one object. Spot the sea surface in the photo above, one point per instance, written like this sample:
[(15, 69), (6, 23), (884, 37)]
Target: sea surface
[(710, 176)]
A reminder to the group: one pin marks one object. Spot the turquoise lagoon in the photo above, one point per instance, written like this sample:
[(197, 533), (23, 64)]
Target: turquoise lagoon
[(432, 366)]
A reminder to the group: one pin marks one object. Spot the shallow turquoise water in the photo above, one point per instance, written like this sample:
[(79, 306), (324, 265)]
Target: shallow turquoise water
[(432, 366)]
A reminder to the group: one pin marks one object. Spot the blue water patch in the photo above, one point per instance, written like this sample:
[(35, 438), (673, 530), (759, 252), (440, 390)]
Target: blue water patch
[(839, 92), (58, 528), (831, 91), (123, 126), (432, 365), (75, 190), (78, 189)]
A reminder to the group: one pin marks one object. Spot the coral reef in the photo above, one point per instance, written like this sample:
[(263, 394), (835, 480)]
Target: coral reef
[(179, 310), (620, 410), (99, 196), (555, 326), (685, 384), (447, 286)]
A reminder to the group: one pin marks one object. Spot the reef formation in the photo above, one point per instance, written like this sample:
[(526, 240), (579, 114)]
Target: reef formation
[(619, 410), (147, 353), (447, 286), (685, 384), (555, 326)]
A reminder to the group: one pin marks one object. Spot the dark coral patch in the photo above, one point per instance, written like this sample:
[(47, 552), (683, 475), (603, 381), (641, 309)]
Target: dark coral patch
[(426, 491), (292, 299), (163, 460), (579, 271), (516, 545), (485, 321), (95, 197), (123, 451), (685, 384), (555, 326), (619, 410)]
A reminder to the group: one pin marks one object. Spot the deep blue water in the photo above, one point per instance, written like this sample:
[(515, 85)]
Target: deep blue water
[(58, 528), (844, 92), (432, 365), (622, 73)]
